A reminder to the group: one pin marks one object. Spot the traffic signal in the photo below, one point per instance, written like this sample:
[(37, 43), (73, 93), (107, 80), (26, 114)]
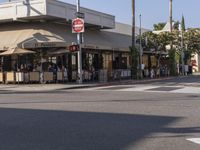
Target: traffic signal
[(73, 48)]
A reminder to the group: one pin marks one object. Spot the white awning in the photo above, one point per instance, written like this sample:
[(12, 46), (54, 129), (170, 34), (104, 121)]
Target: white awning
[(39, 35), (30, 36)]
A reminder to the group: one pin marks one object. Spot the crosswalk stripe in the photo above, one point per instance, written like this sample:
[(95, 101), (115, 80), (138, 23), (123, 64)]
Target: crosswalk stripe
[(146, 88), (194, 140)]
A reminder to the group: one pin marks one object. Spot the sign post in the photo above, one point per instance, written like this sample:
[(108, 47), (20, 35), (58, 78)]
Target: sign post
[(78, 27)]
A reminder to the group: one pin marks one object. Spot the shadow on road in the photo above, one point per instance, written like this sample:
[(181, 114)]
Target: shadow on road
[(66, 130)]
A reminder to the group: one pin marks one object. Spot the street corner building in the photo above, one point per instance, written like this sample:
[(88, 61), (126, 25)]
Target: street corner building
[(35, 36)]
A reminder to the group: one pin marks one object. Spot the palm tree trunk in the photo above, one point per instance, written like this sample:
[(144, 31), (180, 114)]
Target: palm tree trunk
[(170, 16), (133, 64), (133, 23), (170, 20)]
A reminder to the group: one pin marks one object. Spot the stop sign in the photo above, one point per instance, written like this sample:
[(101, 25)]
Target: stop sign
[(78, 25)]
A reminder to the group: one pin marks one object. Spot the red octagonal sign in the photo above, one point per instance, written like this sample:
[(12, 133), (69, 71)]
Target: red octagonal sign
[(78, 25)]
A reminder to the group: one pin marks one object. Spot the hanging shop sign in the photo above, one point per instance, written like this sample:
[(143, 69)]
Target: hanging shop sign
[(73, 48)]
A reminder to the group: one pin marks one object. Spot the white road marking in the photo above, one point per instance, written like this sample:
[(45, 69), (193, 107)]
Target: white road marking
[(139, 88), (145, 88), (96, 88), (194, 90), (194, 140)]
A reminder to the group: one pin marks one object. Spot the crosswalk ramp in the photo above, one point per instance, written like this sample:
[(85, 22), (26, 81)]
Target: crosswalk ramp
[(146, 88)]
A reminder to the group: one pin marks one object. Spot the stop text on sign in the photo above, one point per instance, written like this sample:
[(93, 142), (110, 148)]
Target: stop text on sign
[(78, 25)]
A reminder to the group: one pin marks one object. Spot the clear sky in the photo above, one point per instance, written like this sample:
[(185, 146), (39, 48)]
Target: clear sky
[(153, 11)]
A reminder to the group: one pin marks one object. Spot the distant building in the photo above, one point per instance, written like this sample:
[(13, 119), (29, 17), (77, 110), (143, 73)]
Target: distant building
[(195, 62)]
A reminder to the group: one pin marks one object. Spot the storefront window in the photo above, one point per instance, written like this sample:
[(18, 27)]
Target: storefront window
[(145, 60), (52, 60), (6, 63), (125, 61), (74, 60)]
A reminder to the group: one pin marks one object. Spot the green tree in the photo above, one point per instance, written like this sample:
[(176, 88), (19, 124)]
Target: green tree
[(172, 62), (134, 62), (192, 43), (159, 26), (192, 40), (157, 43), (183, 24), (176, 25)]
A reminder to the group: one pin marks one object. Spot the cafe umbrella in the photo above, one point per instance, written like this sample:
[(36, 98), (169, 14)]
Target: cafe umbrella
[(16, 52)]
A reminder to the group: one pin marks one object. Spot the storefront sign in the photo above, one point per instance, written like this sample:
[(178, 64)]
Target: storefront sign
[(78, 26), (43, 45)]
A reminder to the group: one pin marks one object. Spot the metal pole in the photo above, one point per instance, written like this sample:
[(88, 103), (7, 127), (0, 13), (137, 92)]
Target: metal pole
[(182, 53), (170, 15), (133, 39), (140, 57), (80, 77)]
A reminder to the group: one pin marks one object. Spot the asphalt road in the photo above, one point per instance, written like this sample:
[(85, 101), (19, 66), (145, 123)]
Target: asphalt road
[(101, 119)]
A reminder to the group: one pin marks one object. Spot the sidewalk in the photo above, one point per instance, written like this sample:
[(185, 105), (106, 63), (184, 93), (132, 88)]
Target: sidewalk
[(37, 88)]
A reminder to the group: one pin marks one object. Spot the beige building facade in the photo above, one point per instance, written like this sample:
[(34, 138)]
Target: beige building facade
[(44, 27)]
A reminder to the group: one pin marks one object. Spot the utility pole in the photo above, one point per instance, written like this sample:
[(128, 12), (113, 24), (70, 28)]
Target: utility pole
[(182, 53), (80, 76), (170, 21), (133, 23), (170, 15), (173, 67), (182, 30), (133, 65), (141, 53)]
